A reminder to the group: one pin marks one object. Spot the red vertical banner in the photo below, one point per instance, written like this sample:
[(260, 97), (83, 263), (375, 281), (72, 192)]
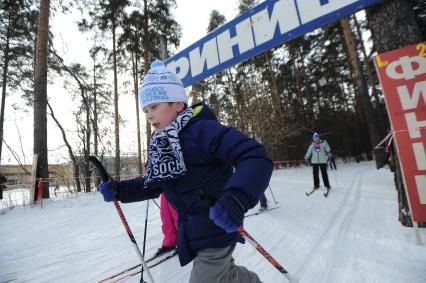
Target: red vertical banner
[(40, 192), (40, 189), (402, 74)]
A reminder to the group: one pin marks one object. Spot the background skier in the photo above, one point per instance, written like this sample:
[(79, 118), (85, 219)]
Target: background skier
[(263, 203), (3, 186), (332, 161), (317, 153)]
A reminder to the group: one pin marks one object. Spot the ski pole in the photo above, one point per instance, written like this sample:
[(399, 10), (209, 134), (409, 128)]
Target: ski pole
[(106, 177), (156, 203), (272, 194), (118, 274), (144, 237), (265, 254), (132, 239)]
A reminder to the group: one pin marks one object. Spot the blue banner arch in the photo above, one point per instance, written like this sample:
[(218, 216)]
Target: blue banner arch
[(269, 24)]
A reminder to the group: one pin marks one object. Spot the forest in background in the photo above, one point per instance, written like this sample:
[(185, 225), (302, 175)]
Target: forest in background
[(323, 82)]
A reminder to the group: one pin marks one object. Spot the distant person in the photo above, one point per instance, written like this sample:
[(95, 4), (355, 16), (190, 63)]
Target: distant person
[(56, 190), (263, 203), (317, 154), (332, 161), (3, 186), (191, 161)]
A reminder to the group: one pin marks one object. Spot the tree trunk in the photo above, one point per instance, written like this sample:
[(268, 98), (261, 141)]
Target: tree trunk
[(40, 93), (361, 83), (95, 120), (95, 112), (146, 63), (138, 126), (379, 113), (393, 26), (276, 100), (4, 84), (296, 75), (116, 114), (87, 147)]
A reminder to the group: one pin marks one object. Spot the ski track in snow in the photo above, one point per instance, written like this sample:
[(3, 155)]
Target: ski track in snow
[(352, 236), (324, 251), (324, 243)]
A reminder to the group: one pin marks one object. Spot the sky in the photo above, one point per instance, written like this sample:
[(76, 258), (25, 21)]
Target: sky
[(74, 47), (352, 236)]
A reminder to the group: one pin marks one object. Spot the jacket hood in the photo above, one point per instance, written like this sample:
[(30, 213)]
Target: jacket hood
[(203, 111)]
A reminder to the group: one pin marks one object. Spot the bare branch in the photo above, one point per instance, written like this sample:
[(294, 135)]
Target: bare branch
[(15, 155)]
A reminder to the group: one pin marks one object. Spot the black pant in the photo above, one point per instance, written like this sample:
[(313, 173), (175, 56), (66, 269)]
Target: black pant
[(332, 164), (323, 167)]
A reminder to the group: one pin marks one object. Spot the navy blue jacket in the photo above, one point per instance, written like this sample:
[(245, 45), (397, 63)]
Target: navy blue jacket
[(211, 152)]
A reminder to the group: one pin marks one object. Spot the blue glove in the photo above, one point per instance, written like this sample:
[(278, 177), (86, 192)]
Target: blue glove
[(228, 213), (108, 190)]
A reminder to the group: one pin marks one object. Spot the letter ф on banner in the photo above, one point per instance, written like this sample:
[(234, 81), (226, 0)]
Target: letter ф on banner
[(402, 74)]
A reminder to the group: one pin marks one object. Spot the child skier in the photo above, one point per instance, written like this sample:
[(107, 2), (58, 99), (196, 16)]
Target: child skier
[(191, 160), (169, 220), (317, 153)]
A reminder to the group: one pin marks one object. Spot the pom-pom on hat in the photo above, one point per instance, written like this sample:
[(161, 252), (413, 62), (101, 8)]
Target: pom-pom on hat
[(316, 136), (161, 85)]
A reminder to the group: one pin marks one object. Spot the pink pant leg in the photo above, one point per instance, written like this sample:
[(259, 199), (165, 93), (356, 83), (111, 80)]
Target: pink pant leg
[(169, 218)]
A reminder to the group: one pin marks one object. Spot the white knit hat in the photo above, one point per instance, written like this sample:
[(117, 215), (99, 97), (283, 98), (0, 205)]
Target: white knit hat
[(161, 85)]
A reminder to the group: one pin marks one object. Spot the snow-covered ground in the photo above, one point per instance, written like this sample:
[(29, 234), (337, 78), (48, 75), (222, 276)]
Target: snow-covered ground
[(351, 236)]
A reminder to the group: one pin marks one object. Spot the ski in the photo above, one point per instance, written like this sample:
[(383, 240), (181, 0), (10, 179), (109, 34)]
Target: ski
[(171, 255), (162, 257), (261, 211), (311, 192), (155, 256), (326, 192)]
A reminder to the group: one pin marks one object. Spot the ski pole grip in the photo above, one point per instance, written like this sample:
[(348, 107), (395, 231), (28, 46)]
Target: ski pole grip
[(104, 175)]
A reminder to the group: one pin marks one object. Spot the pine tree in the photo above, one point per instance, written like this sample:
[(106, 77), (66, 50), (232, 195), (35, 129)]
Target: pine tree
[(17, 43), (106, 15), (40, 93)]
